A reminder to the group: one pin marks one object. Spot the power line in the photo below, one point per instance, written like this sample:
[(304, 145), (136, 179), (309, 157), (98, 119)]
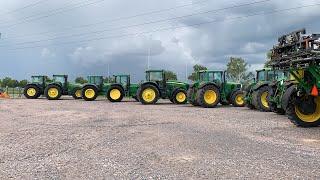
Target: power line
[(37, 14), (121, 18), (25, 7), (179, 27), (62, 10), (142, 24)]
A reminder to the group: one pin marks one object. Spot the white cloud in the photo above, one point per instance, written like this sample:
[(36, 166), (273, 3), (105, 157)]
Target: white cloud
[(47, 53)]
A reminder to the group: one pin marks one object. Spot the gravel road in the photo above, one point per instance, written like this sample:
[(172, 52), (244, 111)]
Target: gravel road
[(71, 139)]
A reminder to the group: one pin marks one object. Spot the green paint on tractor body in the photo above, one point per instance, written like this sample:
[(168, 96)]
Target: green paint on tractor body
[(157, 86), (217, 88), (261, 83), (121, 82), (40, 85), (37, 85), (299, 54)]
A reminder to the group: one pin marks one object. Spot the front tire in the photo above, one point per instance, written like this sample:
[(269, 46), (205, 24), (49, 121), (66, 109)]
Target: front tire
[(237, 99), (191, 99), (260, 99), (89, 93), (76, 93), (179, 97), (208, 96), (115, 94)]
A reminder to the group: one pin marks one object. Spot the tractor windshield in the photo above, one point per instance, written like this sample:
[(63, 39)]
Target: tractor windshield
[(59, 79), (122, 80), (261, 76), (155, 76), (36, 79)]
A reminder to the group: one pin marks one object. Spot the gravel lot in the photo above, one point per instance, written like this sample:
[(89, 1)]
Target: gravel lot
[(71, 139)]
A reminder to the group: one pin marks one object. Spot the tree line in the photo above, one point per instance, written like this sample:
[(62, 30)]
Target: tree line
[(237, 71)]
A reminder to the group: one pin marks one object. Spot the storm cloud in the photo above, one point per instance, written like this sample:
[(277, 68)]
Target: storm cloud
[(82, 37)]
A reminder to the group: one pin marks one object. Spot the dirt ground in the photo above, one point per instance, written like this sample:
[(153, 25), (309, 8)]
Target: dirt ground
[(71, 139)]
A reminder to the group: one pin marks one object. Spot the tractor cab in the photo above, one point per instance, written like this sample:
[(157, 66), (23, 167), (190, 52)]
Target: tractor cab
[(40, 80), (62, 80), (96, 80), (123, 80), (210, 76), (157, 76)]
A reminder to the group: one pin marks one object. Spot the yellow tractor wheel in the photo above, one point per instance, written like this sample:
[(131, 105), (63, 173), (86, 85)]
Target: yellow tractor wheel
[(304, 111), (180, 97), (148, 94), (115, 94)]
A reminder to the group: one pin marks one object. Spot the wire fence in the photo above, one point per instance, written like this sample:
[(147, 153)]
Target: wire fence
[(13, 92)]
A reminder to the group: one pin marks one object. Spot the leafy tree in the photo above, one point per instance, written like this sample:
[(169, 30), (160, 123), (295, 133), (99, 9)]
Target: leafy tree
[(81, 80), (0, 83), (196, 68), (237, 69), (23, 83), (170, 75)]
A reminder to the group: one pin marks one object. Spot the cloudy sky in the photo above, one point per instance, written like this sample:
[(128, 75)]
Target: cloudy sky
[(85, 37)]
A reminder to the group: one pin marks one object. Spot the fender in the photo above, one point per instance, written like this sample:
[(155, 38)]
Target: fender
[(286, 96), (207, 84), (258, 86), (154, 84), (56, 84), (90, 85), (117, 85)]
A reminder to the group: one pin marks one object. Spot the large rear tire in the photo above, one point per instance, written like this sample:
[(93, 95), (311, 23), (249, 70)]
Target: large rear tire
[(53, 92), (208, 96), (31, 92), (304, 111), (148, 94), (115, 94)]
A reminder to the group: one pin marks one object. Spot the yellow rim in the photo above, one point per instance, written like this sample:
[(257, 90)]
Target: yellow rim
[(115, 94), (310, 118), (148, 95), (78, 93), (210, 97), (240, 99), (264, 100), (53, 92), (89, 93), (181, 97), (31, 92)]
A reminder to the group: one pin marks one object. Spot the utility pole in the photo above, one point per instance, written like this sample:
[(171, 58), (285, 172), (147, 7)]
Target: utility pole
[(186, 71), (149, 50)]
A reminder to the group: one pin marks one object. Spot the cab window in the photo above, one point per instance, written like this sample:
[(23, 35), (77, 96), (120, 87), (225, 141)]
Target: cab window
[(261, 76), (155, 76)]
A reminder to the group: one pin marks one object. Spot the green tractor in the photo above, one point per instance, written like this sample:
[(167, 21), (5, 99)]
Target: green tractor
[(60, 86), (121, 87), (277, 88), (157, 86), (257, 93), (115, 92), (211, 88), (95, 87), (36, 88), (299, 53)]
